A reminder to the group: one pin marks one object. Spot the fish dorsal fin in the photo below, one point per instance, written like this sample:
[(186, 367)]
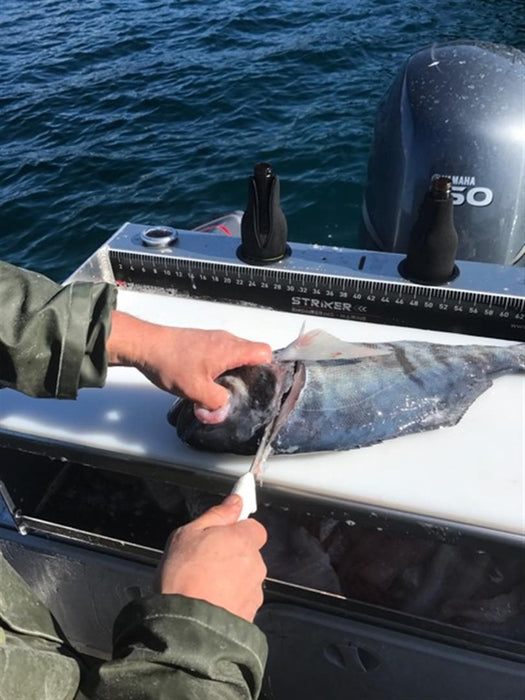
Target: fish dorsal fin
[(318, 345)]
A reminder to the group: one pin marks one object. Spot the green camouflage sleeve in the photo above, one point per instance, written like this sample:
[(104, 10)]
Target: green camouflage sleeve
[(52, 337), (170, 646), (164, 646)]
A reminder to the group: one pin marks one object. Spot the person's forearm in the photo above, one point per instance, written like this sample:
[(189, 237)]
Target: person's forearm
[(57, 339), (129, 339), (183, 361)]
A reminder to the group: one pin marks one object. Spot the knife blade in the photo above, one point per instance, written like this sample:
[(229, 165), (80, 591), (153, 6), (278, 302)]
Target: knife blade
[(245, 486)]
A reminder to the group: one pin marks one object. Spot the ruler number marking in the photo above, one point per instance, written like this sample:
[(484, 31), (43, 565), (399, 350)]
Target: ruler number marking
[(323, 294)]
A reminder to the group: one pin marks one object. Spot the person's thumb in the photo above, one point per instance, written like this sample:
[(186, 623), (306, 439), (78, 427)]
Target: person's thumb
[(226, 513), (214, 397)]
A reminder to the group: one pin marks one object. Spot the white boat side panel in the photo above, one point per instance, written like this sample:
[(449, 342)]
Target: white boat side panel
[(471, 473)]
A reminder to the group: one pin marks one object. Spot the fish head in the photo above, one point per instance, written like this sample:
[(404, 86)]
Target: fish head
[(255, 398)]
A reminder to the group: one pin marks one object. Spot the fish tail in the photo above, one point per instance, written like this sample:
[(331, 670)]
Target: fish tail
[(519, 353)]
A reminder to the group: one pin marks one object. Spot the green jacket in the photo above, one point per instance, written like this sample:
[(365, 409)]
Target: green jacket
[(52, 342)]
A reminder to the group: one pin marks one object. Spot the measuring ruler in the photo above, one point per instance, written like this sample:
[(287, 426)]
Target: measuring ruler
[(487, 300)]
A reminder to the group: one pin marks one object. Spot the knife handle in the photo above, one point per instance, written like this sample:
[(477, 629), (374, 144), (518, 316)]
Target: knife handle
[(245, 487)]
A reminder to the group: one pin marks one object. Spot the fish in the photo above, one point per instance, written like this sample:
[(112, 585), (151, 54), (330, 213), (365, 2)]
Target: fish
[(331, 395)]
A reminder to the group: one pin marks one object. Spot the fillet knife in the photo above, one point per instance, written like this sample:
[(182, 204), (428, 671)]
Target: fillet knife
[(245, 485)]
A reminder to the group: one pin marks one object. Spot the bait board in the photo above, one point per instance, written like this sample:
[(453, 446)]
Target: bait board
[(471, 474)]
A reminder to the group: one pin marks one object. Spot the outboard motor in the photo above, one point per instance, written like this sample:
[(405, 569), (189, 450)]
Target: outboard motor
[(455, 110)]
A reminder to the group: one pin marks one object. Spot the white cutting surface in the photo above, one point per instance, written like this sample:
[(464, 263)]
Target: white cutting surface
[(471, 473)]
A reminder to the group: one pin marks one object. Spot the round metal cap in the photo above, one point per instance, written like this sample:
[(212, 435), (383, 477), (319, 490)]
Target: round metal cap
[(158, 236)]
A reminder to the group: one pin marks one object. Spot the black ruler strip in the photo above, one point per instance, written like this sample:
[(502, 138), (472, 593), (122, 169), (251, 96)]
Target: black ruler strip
[(376, 301)]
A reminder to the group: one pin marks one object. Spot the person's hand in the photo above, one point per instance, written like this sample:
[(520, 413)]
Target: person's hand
[(217, 559), (183, 361)]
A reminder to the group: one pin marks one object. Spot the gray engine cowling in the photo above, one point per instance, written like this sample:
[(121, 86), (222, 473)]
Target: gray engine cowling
[(455, 110)]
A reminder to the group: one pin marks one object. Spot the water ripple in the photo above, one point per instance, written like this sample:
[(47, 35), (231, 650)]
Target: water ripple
[(156, 111)]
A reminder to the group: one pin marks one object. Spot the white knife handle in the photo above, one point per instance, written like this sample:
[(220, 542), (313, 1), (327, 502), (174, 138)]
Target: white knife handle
[(245, 487)]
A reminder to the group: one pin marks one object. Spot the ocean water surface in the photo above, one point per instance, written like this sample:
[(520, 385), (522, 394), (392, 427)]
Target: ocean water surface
[(156, 111)]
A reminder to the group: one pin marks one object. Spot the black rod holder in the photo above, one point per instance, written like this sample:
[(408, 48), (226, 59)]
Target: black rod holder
[(433, 242), (263, 226)]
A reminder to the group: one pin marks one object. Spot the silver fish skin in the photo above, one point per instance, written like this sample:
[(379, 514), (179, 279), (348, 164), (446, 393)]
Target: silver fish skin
[(349, 395), (414, 386)]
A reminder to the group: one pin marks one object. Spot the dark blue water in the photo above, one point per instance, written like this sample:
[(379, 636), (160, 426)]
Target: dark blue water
[(156, 112)]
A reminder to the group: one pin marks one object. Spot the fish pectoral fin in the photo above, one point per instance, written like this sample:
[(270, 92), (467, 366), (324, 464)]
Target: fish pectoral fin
[(318, 345)]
